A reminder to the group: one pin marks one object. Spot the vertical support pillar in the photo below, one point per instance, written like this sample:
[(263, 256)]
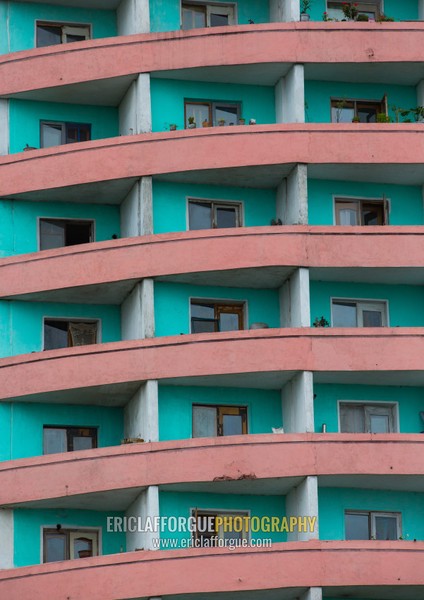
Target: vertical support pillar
[(4, 127), (302, 501), (133, 17), (297, 400), (146, 505), (137, 312), (292, 197), (290, 96), (284, 10), (312, 594), (135, 111), (294, 300), (6, 538), (137, 210), (141, 418)]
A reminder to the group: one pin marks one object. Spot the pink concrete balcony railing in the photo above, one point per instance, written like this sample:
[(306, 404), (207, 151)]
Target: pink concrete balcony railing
[(208, 460), (161, 573)]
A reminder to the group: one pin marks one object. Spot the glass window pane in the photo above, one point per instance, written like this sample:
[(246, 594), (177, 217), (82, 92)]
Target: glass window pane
[(54, 440), (357, 526), (55, 335), (372, 318), (226, 217), (82, 442), (193, 17), (385, 528), (344, 315), (227, 113), (199, 215), (373, 215), (52, 234), (204, 421), (342, 115), (55, 547), (352, 419), (348, 216), (216, 20), (232, 425), (379, 424), (83, 547), (200, 113), (51, 135), (74, 38), (203, 326), (228, 322), (48, 35), (367, 114)]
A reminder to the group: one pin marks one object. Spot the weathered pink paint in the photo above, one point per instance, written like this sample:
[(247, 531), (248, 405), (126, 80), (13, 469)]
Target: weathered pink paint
[(369, 43), (209, 251), (210, 148), (199, 355), (203, 460), (285, 565)]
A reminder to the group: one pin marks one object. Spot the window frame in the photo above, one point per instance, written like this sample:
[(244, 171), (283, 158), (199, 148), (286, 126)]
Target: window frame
[(212, 105), (221, 410), (230, 6), (64, 131), (392, 406), (220, 303), (68, 320), (68, 429), (236, 204), (362, 8), (209, 512), (70, 25), (68, 530), (367, 302), (360, 201), (92, 222), (372, 514), (381, 105)]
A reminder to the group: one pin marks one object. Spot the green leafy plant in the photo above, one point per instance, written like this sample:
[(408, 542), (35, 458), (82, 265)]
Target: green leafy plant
[(305, 5), (350, 10), (321, 322), (361, 17), (383, 118), (383, 19)]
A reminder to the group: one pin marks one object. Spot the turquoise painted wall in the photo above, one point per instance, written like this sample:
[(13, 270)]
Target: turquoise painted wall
[(410, 401), (170, 203), (25, 117), (172, 305), (28, 534), (407, 10), (21, 425), (22, 17), (165, 14), (4, 41), (19, 222), (405, 302), (175, 408), (405, 202), (332, 502), (168, 100), (23, 322), (319, 93), (179, 504)]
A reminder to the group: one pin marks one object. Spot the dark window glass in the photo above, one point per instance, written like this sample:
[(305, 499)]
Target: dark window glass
[(226, 217), (48, 35), (357, 526), (55, 334), (200, 215), (55, 547)]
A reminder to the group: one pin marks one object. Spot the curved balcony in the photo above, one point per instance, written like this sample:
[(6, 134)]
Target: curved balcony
[(194, 571), (377, 46), (256, 358), (31, 175), (114, 476), (265, 254)]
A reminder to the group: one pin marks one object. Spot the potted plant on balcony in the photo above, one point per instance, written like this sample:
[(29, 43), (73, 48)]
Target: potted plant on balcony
[(321, 322), (383, 118), (350, 10), (362, 17), (305, 5), (191, 123), (221, 122), (356, 120), (206, 123), (173, 127)]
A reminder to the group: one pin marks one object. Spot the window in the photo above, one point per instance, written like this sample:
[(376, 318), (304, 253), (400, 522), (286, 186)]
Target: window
[(56, 133), (370, 8), (344, 110), (365, 525), (207, 317), (57, 233), (356, 313), (68, 439), (203, 214), (211, 421), (206, 15), (49, 34), (361, 212), (358, 417), (59, 333), (208, 532), (65, 544), (213, 113)]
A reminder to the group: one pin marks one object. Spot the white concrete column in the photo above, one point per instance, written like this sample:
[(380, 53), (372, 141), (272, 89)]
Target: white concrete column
[(312, 594), (145, 506), (137, 210), (141, 414), (302, 501), (137, 312), (284, 10), (294, 300), (4, 127), (292, 197), (290, 96), (135, 110), (133, 17), (297, 401), (6, 538)]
